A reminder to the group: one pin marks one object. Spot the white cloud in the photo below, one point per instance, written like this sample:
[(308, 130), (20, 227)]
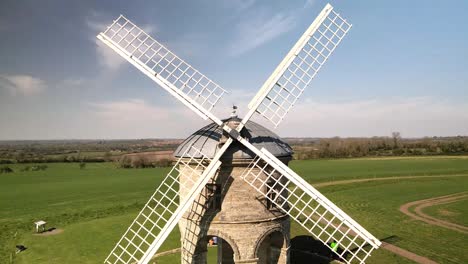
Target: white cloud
[(94, 22), (73, 82), (22, 84), (107, 58), (259, 29), (309, 3), (136, 118), (413, 117), (133, 110)]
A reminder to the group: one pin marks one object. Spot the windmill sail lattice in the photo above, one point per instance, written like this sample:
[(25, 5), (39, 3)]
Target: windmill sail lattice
[(313, 211), (163, 209), (286, 190), (167, 69), (294, 74)]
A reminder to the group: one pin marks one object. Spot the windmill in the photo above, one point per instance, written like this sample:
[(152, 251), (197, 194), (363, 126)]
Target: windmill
[(287, 190)]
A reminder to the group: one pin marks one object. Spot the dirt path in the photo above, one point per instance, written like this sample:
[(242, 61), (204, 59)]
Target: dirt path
[(421, 204), (325, 184), (55, 231), (407, 254), (392, 248)]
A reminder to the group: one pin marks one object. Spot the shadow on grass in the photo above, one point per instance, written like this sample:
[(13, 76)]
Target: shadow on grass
[(305, 249)]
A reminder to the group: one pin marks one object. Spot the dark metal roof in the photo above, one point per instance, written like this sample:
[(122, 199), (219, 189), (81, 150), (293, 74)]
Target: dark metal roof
[(207, 139)]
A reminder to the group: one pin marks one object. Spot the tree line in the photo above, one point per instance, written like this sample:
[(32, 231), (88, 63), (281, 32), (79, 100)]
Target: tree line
[(139, 162), (379, 146), (304, 148)]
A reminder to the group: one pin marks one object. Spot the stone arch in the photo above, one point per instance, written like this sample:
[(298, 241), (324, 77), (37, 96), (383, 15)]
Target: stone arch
[(228, 239), (262, 237), (263, 250)]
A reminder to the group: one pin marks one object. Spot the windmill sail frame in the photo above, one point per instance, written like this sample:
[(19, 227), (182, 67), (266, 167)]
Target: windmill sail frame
[(276, 97), (308, 207), (163, 210), (179, 78), (293, 75)]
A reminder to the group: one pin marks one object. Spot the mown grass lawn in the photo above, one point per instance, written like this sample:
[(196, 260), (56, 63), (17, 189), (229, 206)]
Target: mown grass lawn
[(375, 205), (64, 188), (64, 194), (315, 171), (83, 242), (95, 205), (454, 212)]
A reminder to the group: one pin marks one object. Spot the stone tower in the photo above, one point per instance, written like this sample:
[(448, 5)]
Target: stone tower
[(249, 229)]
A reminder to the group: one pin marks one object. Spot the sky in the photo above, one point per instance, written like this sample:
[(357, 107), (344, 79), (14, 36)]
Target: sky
[(402, 67)]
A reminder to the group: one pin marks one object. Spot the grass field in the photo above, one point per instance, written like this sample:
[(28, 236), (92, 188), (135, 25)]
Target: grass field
[(94, 206), (456, 212)]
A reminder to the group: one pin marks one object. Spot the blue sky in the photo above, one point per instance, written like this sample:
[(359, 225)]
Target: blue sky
[(402, 67)]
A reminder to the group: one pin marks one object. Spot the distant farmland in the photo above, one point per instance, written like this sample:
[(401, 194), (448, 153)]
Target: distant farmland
[(28, 151), (93, 206)]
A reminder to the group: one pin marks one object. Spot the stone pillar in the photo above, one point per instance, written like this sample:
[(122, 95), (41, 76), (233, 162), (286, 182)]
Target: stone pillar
[(284, 255)]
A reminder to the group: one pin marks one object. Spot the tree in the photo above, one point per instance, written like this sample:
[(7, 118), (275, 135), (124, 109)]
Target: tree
[(125, 162), (164, 162), (108, 156), (396, 139), (6, 169)]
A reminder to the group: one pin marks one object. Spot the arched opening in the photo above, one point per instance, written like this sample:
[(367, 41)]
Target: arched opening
[(306, 249), (219, 251), (269, 249)]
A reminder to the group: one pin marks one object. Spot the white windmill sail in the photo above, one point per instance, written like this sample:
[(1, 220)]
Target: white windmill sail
[(293, 75), (163, 210), (283, 187), (313, 211), (179, 78), (194, 90), (286, 189)]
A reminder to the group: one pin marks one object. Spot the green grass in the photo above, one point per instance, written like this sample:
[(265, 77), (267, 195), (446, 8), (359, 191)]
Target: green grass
[(315, 171), (88, 154), (94, 206), (375, 205), (83, 242), (63, 194), (456, 212), (64, 188)]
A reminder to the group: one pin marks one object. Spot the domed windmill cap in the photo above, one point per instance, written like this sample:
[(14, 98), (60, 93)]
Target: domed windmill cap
[(208, 138)]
